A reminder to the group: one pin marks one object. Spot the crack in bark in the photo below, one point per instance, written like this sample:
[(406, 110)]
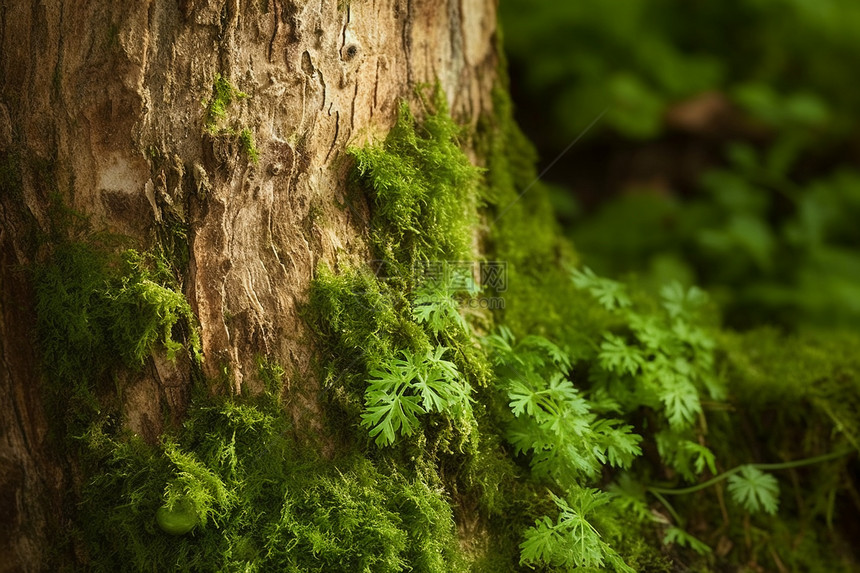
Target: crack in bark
[(276, 13), (352, 110), (336, 131), (375, 89), (407, 40)]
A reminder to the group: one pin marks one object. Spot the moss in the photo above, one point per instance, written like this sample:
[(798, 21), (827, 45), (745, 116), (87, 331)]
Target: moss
[(422, 187), (424, 195), (223, 95), (249, 146), (248, 497), (272, 375), (97, 310), (360, 321), (523, 234), (271, 505)]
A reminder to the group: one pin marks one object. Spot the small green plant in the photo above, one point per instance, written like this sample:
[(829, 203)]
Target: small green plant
[(571, 541), (552, 421), (663, 361), (403, 388), (435, 305), (749, 486)]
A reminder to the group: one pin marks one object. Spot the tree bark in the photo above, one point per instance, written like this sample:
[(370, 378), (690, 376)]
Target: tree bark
[(103, 105)]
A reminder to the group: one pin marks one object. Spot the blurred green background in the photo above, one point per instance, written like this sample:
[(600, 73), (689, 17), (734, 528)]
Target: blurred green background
[(727, 155)]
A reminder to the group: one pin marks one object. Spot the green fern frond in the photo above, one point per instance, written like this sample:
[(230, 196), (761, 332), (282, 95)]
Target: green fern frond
[(403, 388), (571, 541), (680, 537), (754, 490), (610, 294)]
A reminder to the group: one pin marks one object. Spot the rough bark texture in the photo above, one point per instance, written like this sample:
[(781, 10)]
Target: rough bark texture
[(103, 104)]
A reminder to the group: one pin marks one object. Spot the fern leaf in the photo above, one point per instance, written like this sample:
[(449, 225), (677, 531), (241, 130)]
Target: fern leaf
[(704, 457), (610, 294), (571, 541), (680, 537), (680, 398), (387, 414), (618, 441), (755, 490), (678, 301), (616, 356), (541, 542), (438, 310), (556, 354), (523, 400), (629, 496), (435, 381)]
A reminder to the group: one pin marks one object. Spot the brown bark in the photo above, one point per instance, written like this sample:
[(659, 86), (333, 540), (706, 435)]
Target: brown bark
[(102, 103)]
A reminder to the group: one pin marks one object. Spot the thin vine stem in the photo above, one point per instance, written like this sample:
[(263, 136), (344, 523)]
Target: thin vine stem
[(669, 507), (726, 474)]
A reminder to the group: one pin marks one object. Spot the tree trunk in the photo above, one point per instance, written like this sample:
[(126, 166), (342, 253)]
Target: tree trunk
[(107, 106)]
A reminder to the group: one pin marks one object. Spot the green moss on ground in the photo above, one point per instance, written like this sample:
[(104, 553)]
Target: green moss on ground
[(263, 502)]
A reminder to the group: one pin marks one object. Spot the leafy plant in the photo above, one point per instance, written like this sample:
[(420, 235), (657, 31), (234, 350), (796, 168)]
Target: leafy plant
[(754, 490), (663, 361), (435, 304), (552, 421), (680, 537), (403, 388), (571, 541)]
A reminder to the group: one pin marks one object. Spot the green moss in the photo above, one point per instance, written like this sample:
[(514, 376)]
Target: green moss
[(424, 195), (223, 95), (422, 186), (524, 235), (249, 146), (360, 321), (264, 503), (807, 383), (272, 374), (96, 311)]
